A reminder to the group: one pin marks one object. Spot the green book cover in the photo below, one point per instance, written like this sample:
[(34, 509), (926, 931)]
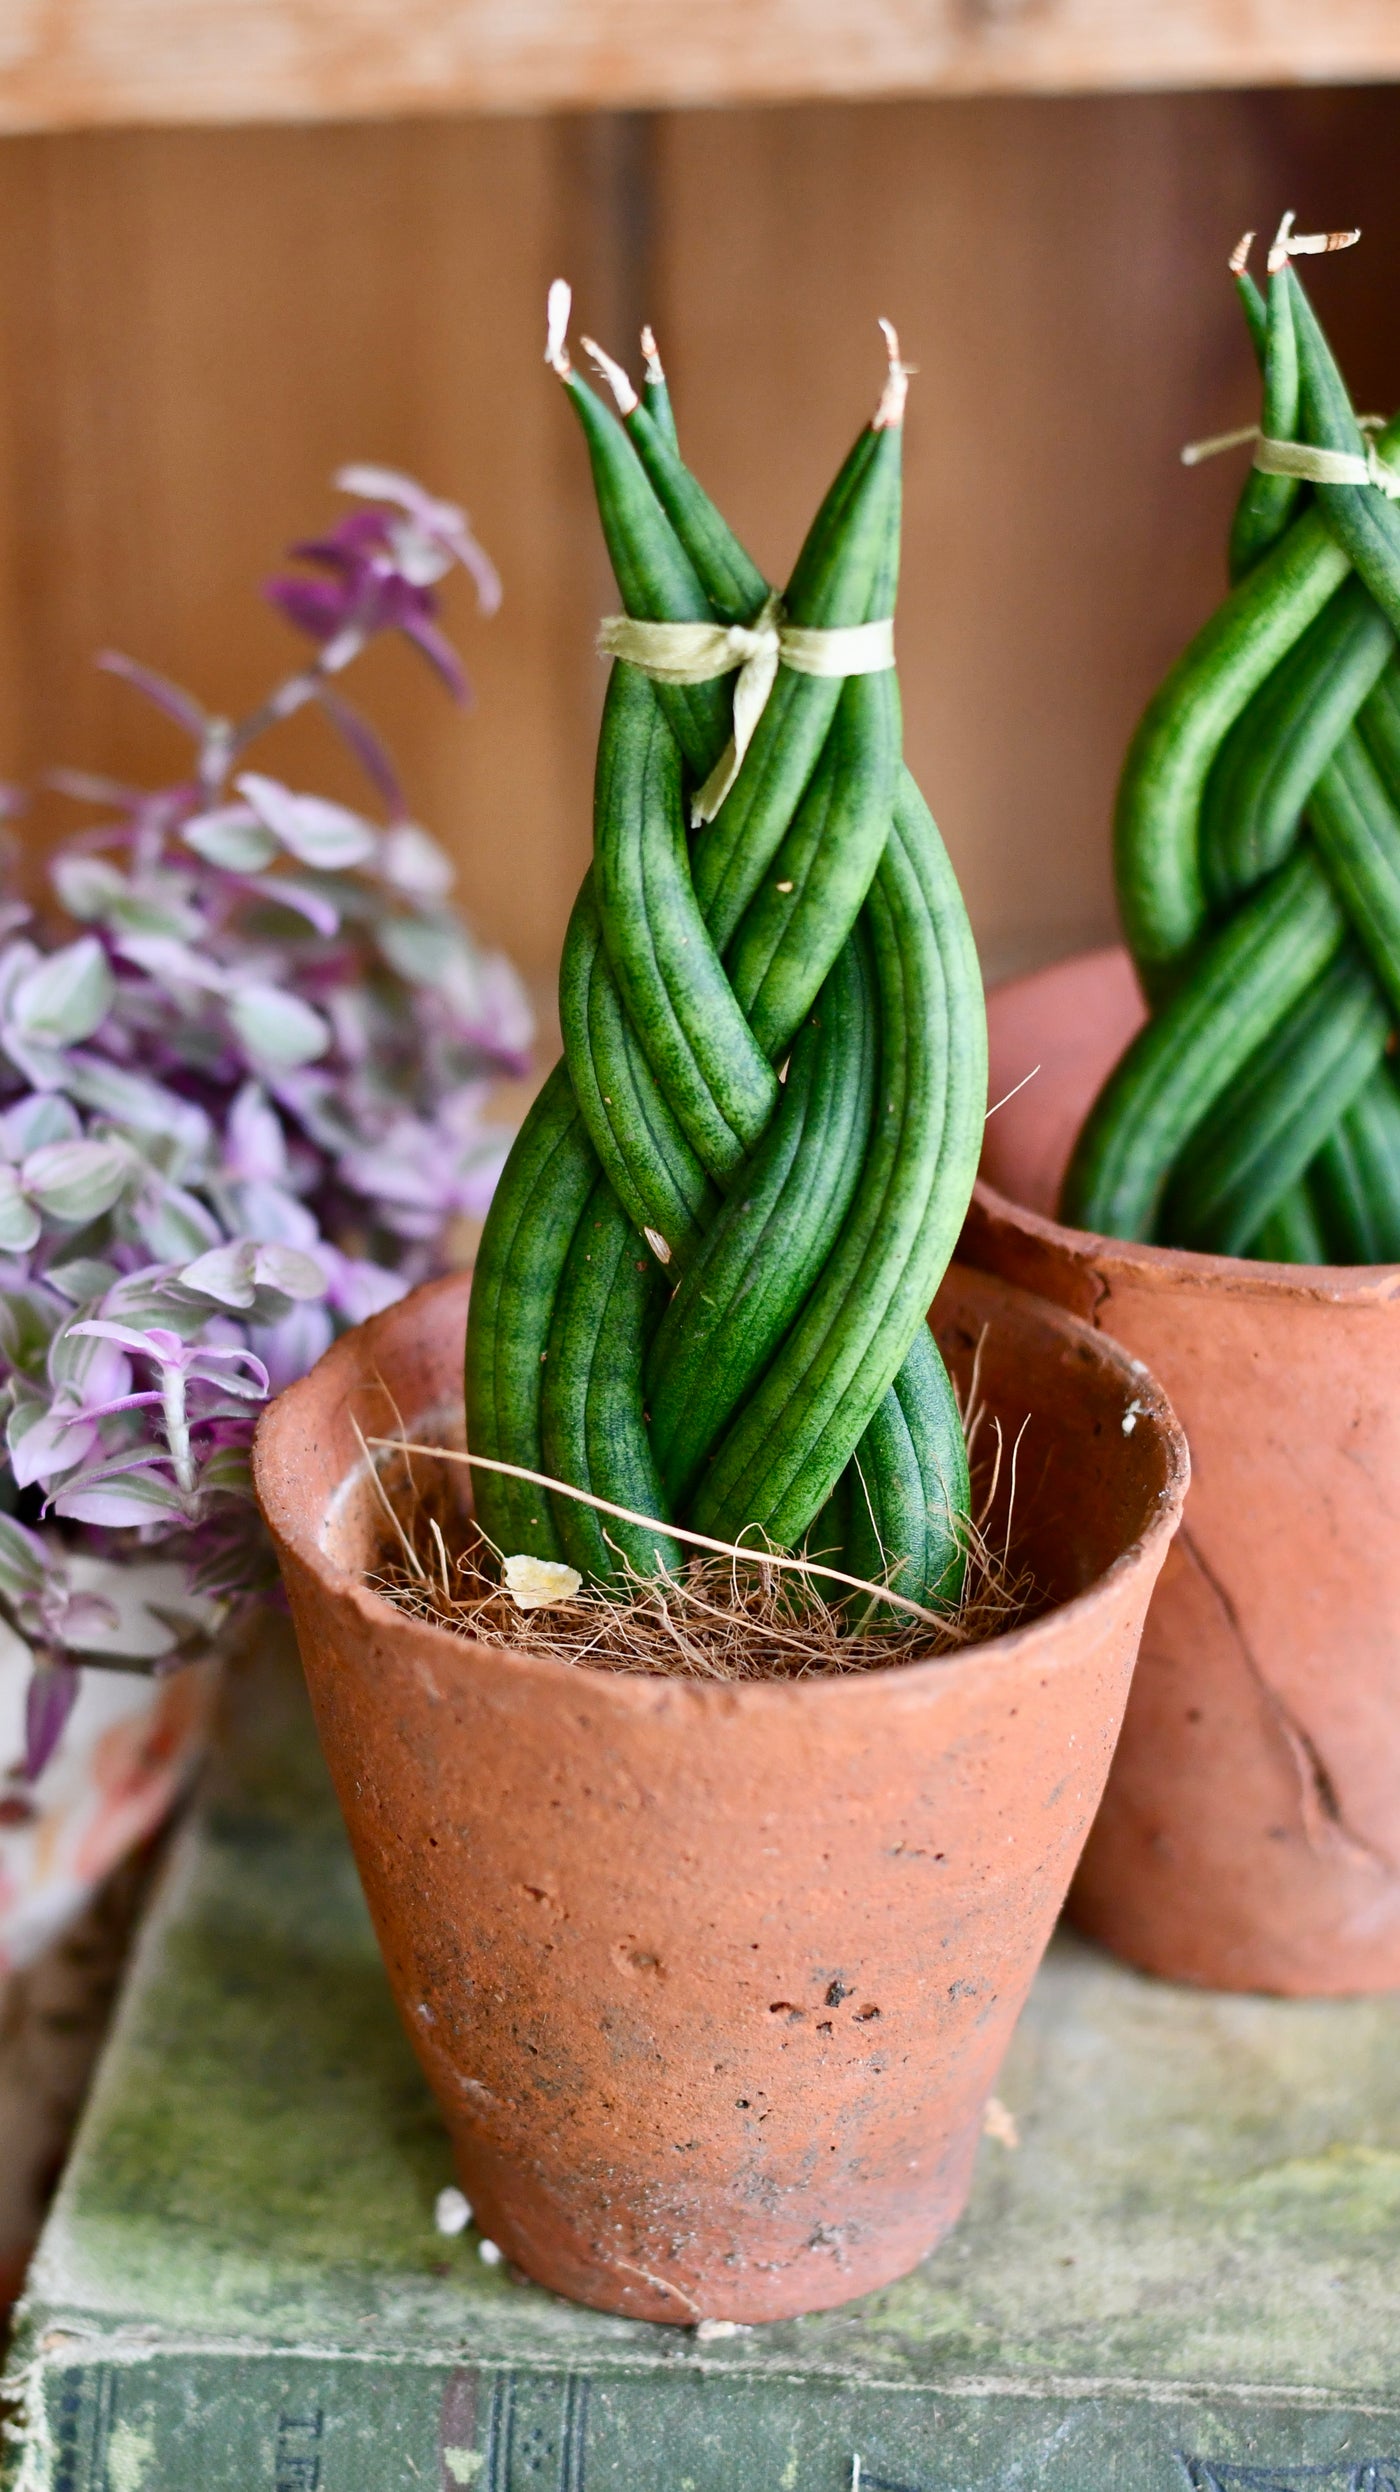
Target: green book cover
[(1178, 2273)]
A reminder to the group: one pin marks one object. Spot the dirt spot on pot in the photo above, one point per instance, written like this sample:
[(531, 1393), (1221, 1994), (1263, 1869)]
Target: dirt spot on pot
[(639, 1963)]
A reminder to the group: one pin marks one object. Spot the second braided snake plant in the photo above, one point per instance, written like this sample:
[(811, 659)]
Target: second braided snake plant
[(703, 1286), (1258, 853)]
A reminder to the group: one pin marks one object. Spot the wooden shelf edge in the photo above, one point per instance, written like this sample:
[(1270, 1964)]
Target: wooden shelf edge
[(95, 63)]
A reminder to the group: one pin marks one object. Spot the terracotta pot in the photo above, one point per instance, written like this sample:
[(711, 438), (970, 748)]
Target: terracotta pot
[(1250, 1834), (712, 1981)]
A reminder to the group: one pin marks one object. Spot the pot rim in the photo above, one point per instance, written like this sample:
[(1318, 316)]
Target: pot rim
[(274, 1470), (1163, 1266)]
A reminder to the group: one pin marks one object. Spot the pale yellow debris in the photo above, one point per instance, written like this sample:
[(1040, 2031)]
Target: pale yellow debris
[(999, 2123), (540, 1583)]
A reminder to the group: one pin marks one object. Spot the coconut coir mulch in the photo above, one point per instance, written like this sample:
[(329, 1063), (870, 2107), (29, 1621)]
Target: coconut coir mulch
[(723, 1618)]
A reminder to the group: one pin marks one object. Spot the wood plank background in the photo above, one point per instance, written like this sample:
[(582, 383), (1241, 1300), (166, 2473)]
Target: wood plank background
[(198, 326), (67, 62)]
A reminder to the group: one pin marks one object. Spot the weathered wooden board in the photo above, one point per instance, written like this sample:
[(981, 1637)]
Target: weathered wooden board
[(101, 61), (196, 327)]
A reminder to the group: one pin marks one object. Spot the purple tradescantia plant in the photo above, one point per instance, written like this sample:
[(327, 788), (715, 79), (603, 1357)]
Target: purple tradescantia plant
[(241, 1101)]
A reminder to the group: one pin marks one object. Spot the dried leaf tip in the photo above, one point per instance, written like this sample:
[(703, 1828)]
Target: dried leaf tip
[(1278, 248), (614, 375), (1290, 246), (560, 304), (655, 375), (1343, 241), (1239, 257), (890, 412)]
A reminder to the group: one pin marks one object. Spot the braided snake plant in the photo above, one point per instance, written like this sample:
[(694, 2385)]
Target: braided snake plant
[(1258, 854), (702, 1290)]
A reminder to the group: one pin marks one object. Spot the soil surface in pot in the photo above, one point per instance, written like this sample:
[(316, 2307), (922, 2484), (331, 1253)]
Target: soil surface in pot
[(712, 1980), (1250, 1834), (736, 1617)]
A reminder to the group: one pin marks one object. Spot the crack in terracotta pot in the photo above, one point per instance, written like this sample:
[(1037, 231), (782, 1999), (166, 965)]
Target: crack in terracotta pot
[(1320, 1809)]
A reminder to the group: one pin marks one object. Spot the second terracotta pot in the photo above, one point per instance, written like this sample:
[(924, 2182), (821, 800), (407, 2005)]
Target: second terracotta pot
[(1250, 1834), (712, 1981)]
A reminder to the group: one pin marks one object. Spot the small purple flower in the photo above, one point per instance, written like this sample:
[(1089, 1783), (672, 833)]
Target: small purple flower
[(383, 564), (427, 536)]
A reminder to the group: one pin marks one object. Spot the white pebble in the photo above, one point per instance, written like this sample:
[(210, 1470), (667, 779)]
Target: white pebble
[(490, 2255), (451, 2213), (710, 2331)]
